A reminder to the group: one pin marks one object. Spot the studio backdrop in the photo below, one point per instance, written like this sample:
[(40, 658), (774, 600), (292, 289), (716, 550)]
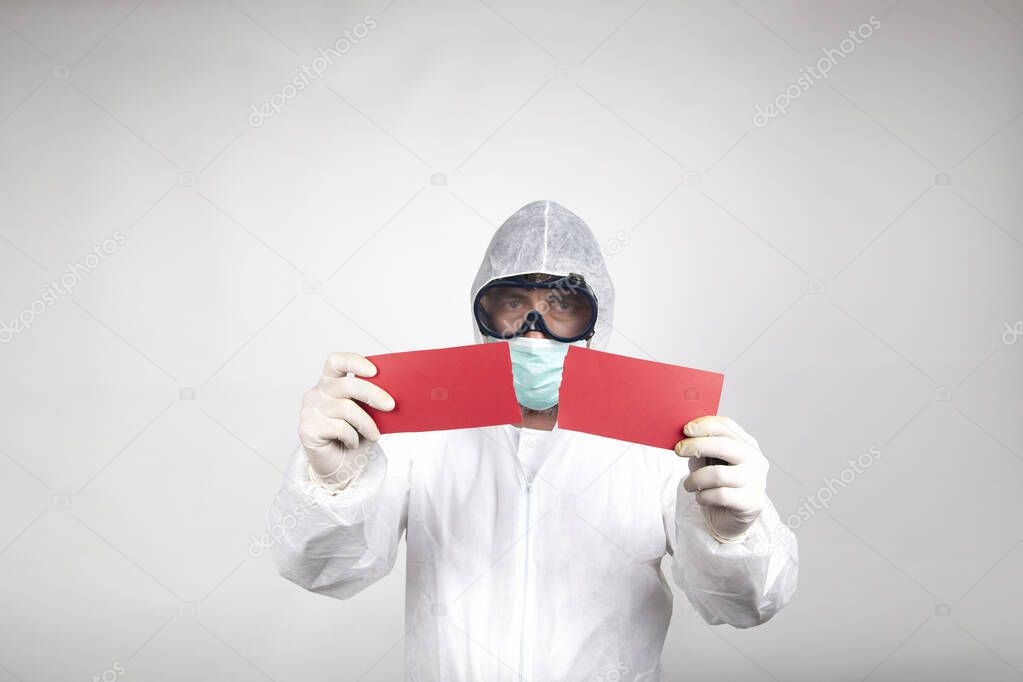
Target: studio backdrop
[(201, 200)]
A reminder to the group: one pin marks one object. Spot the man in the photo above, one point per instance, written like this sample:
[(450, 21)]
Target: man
[(533, 553)]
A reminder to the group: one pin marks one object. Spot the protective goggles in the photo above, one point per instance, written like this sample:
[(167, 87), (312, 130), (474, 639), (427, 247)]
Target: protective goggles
[(563, 308)]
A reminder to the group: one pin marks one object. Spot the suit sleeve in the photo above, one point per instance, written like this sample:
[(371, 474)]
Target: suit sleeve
[(340, 544), (743, 583)]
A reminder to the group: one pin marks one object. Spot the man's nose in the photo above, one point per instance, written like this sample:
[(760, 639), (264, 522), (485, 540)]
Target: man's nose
[(535, 334)]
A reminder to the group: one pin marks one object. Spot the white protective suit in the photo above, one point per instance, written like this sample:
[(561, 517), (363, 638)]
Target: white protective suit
[(531, 555)]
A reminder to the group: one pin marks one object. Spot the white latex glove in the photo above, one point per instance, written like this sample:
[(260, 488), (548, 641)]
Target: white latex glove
[(731, 495), (331, 421)]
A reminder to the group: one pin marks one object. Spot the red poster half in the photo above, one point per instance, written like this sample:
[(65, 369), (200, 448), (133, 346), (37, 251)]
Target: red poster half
[(633, 400), (446, 388)]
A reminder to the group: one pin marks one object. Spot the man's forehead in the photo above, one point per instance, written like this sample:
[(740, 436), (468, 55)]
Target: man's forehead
[(520, 291), (539, 277)]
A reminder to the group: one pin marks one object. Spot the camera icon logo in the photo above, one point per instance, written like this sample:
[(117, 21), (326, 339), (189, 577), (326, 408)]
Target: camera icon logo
[(186, 393), (438, 393), (61, 71), (942, 179), (564, 71), (312, 286), (61, 501), (187, 610), (186, 179), (691, 394), (943, 393), (438, 180), (817, 286), (943, 609), (692, 179)]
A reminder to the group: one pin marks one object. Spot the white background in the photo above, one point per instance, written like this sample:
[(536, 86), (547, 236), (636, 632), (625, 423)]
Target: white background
[(128, 509)]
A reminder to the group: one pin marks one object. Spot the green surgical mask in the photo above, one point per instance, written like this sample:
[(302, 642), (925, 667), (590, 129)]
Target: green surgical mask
[(536, 368)]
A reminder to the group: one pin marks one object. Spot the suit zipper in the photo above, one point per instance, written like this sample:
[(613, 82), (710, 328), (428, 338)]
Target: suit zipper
[(523, 658)]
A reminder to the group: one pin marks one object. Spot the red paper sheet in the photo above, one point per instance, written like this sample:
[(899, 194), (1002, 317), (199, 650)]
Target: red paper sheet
[(633, 400), (447, 388)]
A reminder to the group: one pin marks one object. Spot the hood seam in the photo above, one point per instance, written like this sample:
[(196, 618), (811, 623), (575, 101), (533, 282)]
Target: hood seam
[(546, 208)]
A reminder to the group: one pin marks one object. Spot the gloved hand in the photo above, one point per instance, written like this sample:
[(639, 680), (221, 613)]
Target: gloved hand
[(731, 495), (331, 420)]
